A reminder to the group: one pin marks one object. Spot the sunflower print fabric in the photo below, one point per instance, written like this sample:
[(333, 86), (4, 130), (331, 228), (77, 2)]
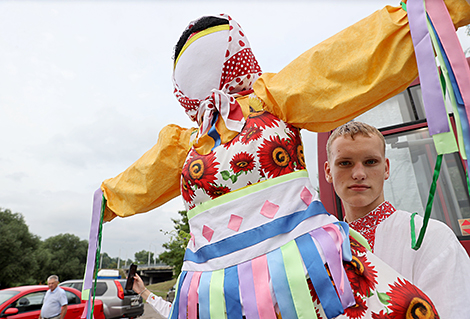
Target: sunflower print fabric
[(400, 300), (265, 148)]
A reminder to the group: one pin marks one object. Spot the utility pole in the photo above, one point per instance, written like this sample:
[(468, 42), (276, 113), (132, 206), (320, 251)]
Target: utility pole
[(149, 256), (155, 256)]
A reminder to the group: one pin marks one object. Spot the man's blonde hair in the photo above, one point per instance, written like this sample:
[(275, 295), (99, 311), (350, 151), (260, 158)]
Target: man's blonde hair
[(351, 129)]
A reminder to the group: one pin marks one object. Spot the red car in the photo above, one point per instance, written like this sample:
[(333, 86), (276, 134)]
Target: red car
[(25, 303)]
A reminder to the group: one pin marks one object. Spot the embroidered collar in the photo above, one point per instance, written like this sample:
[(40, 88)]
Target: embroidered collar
[(367, 225)]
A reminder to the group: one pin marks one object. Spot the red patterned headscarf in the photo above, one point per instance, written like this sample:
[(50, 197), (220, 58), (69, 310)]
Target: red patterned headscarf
[(238, 73)]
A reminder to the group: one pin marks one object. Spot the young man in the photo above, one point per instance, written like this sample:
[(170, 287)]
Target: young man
[(357, 168), (55, 301)]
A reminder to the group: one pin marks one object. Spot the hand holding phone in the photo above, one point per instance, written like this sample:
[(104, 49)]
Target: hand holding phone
[(130, 277)]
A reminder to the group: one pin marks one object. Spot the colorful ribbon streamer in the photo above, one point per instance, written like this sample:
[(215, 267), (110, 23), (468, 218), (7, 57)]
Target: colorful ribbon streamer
[(94, 250), (433, 33), (429, 79)]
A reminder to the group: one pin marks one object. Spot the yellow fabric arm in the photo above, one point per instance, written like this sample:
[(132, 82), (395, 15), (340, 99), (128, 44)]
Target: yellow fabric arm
[(152, 180), (349, 73)]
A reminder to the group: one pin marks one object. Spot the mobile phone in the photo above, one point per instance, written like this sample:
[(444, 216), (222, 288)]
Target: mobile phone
[(130, 276)]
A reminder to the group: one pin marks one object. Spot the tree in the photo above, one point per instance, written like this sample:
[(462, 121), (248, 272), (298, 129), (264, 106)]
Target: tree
[(64, 255), (177, 244), (17, 250), (126, 263), (142, 257), (107, 262)]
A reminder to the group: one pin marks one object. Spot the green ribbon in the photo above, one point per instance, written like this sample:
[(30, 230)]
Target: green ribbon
[(415, 244), (217, 300), (296, 278), (403, 6), (360, 239), (468, 181), (98, 253)]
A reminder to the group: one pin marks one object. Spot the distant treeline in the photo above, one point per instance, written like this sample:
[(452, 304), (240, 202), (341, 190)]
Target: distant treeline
[(25, 259)]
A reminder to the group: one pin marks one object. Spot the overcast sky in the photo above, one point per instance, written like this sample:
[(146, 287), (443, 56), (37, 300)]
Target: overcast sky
[(85, 87)]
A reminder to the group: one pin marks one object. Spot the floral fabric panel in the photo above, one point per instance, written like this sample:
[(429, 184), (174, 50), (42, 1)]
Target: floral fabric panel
[(266, 148), (377, 296)]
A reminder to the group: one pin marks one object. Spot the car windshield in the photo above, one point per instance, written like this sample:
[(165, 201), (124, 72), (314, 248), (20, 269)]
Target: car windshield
[(5, 295)]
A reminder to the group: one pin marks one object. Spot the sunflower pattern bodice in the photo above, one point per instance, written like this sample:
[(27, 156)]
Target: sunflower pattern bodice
[(266, 148)]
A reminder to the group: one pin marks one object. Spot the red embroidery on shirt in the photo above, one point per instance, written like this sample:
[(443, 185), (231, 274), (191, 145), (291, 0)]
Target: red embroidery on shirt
[(367, 225)]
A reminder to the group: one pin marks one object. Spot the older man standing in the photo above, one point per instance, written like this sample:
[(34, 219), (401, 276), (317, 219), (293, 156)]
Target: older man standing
[(55, 301)]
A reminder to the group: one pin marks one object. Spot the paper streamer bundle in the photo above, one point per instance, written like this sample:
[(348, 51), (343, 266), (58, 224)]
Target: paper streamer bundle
[(94, 250), (433, 35)]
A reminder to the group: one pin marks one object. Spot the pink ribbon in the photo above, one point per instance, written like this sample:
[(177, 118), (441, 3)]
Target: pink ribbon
[(263, 293), (193, 296), (338, 240), (445, 29)]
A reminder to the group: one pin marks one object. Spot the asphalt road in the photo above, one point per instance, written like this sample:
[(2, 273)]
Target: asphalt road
[(150, 313)]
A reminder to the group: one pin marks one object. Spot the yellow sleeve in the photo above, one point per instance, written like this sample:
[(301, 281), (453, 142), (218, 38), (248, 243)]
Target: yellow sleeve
[(349, 73), (152, 180)]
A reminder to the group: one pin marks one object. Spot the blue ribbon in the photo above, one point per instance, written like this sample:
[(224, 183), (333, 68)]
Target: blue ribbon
[(204, 295), (254, 236), (232, 293), (213, 132), (280, 284), (319, 276), (346, 246)]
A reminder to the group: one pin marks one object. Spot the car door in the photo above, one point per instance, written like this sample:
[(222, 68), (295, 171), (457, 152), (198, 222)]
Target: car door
[(75, 306), (28, 305)]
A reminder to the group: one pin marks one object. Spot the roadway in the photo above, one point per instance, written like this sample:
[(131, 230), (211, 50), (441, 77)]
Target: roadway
[(150, 313)]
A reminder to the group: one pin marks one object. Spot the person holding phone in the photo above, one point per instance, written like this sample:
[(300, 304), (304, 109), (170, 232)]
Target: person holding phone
[(160, 305)]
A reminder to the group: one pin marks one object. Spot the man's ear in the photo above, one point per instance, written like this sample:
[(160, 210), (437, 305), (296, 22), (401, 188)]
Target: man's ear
[(387, 168), (328, 177)]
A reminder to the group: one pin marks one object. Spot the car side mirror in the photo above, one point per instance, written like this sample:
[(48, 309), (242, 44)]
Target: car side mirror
[(10, 312)]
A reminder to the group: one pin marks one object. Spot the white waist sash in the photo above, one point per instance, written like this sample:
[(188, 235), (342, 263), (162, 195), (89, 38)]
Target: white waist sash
[(253, 221)]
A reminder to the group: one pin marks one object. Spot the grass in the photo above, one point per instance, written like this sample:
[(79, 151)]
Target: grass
[(161, 288)]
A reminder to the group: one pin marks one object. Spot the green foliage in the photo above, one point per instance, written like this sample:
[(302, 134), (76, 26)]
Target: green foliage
[(161, 288), (123, 264), (26, 260), (106, 262), (17, 250), (142, 257), (65, 256), (176, 246)]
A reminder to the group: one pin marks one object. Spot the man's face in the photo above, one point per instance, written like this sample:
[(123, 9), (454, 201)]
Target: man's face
[(358, 168), (52, 284)]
